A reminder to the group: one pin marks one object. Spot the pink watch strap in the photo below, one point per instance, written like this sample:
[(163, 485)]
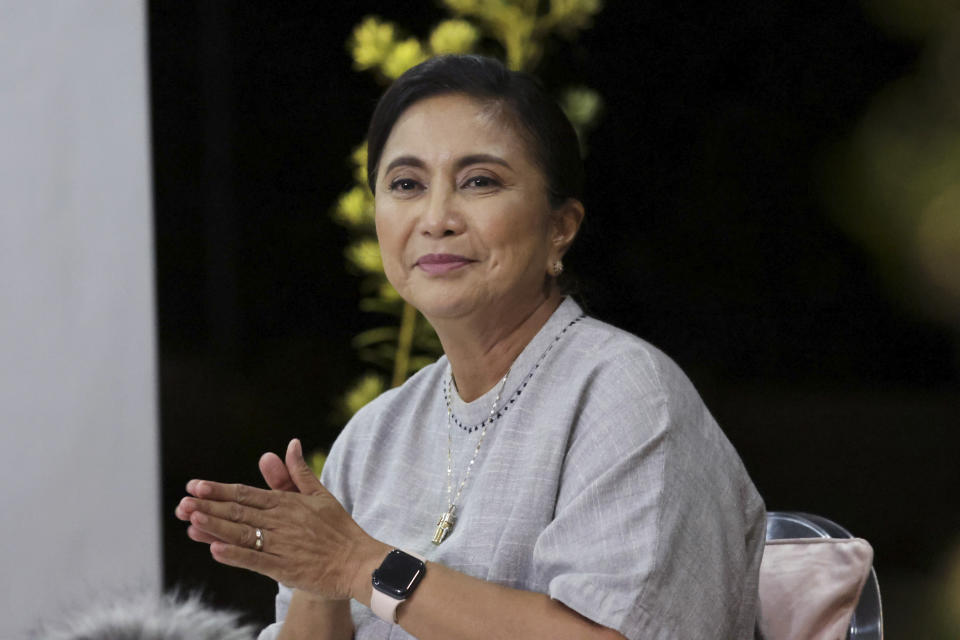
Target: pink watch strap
[(385, 606)]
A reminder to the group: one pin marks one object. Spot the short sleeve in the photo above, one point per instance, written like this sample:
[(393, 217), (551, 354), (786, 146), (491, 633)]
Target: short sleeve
[(282, 603), (656, 525)]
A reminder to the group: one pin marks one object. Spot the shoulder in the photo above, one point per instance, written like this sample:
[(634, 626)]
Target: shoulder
[(631, 397), (637, 399), (617, 369)]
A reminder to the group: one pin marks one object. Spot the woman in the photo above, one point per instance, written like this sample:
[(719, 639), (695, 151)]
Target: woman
[(561, 477)]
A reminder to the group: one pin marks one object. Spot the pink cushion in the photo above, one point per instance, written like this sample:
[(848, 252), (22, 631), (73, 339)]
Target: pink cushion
[(809, 587)]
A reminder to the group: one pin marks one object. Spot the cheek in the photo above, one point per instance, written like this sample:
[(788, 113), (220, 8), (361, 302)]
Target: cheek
[(392, 239), (387, 234), (521, 236)]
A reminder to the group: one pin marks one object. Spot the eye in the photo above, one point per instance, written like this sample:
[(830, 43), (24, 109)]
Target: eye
[(404, 185), (481, 182)]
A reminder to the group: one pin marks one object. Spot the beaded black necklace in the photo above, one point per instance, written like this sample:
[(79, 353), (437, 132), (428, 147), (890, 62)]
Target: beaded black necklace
[(516, 394)]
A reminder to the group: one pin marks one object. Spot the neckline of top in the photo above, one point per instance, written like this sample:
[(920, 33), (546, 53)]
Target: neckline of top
[(470, 416)]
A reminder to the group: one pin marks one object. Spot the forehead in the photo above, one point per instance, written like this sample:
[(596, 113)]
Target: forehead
[(454, 124)]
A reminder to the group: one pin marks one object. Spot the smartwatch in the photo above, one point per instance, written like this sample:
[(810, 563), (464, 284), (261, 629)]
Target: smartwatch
[(394, 581)]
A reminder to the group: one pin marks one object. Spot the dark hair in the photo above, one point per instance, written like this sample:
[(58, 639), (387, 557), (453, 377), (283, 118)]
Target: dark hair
[(552, 139)]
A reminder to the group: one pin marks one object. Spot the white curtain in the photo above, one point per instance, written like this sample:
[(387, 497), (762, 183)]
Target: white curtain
[(79, 472)]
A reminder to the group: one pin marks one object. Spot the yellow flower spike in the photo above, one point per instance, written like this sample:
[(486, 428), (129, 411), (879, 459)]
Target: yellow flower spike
[(575, 9), (372, 42), (355, 207), (453, 36), (568, 16), (522, 50), (359, 160), (365, 256), (403, 56), (582, 105), (359, 155)]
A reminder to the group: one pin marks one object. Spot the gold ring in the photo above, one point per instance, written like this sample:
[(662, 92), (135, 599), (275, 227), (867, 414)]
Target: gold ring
[(258, 543)]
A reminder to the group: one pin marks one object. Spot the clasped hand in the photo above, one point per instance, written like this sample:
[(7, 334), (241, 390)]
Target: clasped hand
[(310, 542)]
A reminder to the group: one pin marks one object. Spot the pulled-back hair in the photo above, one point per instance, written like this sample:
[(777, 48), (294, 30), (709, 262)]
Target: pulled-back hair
[(551, 138)]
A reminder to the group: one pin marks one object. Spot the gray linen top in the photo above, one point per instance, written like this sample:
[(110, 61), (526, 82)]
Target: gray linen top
[(603, 482)]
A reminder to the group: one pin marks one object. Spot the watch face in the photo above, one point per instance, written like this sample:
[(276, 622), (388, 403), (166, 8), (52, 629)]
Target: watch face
[(398, 575)]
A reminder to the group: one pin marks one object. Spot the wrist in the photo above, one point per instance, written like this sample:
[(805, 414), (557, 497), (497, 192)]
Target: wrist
[(311, 596), (394, 582), (367, 559)]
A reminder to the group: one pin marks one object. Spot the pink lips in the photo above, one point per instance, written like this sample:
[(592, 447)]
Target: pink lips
[(440, 263)]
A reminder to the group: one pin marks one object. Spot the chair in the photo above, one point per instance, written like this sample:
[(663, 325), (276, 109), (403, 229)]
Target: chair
[(812, 562)]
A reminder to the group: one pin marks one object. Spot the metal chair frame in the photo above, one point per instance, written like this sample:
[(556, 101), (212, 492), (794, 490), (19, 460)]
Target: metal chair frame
[(867, 620)]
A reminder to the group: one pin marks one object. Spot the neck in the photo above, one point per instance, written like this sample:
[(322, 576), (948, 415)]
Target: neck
[(481, 350)]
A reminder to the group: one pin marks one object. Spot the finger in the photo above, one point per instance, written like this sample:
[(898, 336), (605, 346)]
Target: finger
[(198, 535), (180, 513), (241, 535), (239, 493), (275, 473), (185, 507), (231, 511), (300, 471), (243, 558)]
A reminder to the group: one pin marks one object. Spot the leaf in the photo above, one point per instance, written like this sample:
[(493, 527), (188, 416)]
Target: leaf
[(363, 391), (419, 362), (373, 336), (375, 305)]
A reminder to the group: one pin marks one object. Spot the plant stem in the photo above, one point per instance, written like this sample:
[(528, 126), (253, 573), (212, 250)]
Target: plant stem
[(401, 365)]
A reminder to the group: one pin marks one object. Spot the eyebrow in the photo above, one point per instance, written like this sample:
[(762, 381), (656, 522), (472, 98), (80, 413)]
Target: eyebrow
[(404, 161), (465, 161), (479, 158)]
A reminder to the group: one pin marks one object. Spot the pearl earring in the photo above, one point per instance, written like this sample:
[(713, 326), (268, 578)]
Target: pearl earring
[(557, 268)]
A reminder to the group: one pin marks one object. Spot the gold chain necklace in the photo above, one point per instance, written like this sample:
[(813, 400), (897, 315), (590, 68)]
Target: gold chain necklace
[(448, 518)]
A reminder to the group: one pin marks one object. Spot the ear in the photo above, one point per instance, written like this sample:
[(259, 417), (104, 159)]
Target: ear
[(566, 223)]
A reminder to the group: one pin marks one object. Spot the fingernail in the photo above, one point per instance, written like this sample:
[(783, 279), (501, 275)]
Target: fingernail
[(198, 517), (190, 486), (202, 488), (188, 504)]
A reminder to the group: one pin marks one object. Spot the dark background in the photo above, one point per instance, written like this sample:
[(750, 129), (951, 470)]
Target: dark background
[(706, 234)]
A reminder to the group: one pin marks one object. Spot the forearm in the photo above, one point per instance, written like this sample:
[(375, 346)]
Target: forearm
[(448, 604), (316, 618)]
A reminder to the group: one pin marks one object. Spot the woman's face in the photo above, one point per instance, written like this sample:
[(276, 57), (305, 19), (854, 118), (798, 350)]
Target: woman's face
[(462, 212)]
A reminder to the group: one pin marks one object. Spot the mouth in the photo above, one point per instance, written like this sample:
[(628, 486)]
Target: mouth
[(440, 263)]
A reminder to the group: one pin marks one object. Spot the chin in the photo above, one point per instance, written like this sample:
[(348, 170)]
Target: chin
[(439, 300), (445, 309)]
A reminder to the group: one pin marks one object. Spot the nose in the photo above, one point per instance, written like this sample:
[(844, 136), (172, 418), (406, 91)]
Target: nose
[(441, 215)]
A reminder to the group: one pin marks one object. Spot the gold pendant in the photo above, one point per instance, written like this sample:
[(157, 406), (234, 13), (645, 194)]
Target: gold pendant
[(444, 527)]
